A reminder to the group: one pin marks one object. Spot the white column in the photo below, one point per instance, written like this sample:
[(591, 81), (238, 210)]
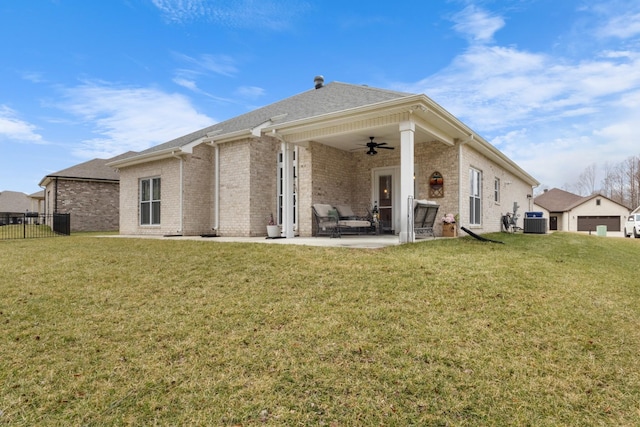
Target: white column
[(407, 130), (287, 208)]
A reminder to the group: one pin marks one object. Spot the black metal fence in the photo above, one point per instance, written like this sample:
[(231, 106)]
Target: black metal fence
[(33, 225)]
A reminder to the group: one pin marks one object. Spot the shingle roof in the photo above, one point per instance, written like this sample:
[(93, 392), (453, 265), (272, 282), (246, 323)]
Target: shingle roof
[(14, 201), (556, 200), (92, 169), (330, 98)]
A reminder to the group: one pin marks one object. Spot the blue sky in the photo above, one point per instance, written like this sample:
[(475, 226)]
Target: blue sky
[(553, 84)]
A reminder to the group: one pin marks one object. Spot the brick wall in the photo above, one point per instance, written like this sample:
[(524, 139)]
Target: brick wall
[(92, 205), (234, 189), (512, 189), (169, 172), (198, 191)]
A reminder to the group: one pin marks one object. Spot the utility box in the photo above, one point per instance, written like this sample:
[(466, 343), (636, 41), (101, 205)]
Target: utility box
[(533, 214), (535, 225), (601, 230)]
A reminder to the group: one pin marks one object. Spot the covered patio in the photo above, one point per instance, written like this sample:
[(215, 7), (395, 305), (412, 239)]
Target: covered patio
[(409, 134)]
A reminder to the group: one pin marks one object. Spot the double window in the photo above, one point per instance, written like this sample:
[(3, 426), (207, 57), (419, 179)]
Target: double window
[(475, 197), (150, 201)]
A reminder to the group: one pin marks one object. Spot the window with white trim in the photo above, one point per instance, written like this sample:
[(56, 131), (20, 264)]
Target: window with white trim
[(496, 190), (475, 196), (150, 201), (280, 184)]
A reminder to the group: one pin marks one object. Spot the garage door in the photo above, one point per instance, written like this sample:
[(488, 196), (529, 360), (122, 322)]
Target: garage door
[(589, 223)]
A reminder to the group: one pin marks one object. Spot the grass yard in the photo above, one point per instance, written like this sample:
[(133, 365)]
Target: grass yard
[(541, 331)]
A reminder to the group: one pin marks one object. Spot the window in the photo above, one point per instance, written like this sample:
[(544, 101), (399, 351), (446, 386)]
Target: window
[(475, 184), (280, 184), (496, 190), (598, 201), (150, 201)]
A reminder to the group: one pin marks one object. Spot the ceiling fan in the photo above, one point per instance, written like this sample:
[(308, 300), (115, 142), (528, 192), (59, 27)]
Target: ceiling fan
[(372, 145)]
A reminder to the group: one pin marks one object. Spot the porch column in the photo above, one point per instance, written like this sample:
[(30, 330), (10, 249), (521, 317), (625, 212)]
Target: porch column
[(407, 130), (287, 203)]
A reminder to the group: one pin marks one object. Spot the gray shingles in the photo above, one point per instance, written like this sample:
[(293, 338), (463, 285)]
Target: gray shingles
[(92, 169), (14, 201), (331, 98), (556, 200)]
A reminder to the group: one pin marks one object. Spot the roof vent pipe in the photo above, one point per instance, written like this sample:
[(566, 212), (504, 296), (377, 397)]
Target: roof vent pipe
[(318, 81)]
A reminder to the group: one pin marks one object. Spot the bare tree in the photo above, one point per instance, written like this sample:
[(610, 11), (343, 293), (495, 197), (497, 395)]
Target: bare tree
[(587, 180), (632, 178)]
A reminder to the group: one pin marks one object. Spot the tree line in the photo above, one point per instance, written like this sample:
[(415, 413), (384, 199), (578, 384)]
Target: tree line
[(620, 182)]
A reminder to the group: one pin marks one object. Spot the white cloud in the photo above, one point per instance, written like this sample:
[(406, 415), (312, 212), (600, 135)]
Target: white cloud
[(218, 64), (12, 128), (250, 92), (494, 87), (476, 24), (553, 115), (129, 118), (271, 14)]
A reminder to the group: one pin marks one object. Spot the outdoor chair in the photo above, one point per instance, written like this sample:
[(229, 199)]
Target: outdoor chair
[(335, 222), (326, 220), (424, 216), (349, 222)]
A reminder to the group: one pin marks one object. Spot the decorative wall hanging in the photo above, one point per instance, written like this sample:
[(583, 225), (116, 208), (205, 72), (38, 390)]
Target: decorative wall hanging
[(436, 185)]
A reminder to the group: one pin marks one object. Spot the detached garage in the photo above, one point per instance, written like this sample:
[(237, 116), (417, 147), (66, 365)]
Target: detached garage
[(571, 212), (590, 223)]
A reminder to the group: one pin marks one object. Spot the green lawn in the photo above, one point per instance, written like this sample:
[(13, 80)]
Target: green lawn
[(542, 331)]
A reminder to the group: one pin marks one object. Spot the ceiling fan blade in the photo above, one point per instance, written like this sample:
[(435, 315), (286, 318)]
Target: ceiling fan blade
[(386, 148)]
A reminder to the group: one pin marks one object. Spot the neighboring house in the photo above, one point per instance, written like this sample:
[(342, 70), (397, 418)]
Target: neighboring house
[(13, 206), (89, 192), (570, 212), (311, 148), (37, 201)]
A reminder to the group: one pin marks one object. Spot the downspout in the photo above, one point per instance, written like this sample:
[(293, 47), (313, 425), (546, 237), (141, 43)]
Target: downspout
[(216, 195), (216, 189), (179, 157), (460, 191), (55, 197)]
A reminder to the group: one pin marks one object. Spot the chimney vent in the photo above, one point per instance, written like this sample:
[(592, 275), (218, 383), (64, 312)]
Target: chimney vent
[(318, 81)]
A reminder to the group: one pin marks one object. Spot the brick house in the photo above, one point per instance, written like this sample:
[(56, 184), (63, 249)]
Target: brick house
[(89, 192), (312, 148)]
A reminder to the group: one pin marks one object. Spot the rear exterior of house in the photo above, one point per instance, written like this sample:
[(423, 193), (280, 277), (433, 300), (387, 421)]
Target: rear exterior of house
[(228, 179)]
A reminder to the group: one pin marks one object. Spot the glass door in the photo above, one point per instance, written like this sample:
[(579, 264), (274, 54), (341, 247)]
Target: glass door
[(385, 194)]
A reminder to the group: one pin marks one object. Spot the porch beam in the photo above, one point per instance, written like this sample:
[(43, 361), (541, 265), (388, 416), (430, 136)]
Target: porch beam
[(407, 145)]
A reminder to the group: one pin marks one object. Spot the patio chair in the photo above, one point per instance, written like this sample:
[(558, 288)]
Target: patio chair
[(349, 222), (326, 220), (424, 216)]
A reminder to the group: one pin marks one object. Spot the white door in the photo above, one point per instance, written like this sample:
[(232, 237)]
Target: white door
[(386, 194)]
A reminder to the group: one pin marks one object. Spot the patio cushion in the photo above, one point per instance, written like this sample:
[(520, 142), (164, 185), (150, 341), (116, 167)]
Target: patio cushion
[(345, 211), (322, 209), (353, 223)]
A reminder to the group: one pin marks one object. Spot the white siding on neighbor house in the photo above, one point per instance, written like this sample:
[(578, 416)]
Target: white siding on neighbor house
[(591, 208)]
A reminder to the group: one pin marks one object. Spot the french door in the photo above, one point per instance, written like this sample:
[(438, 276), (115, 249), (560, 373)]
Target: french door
[(281, 189)]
